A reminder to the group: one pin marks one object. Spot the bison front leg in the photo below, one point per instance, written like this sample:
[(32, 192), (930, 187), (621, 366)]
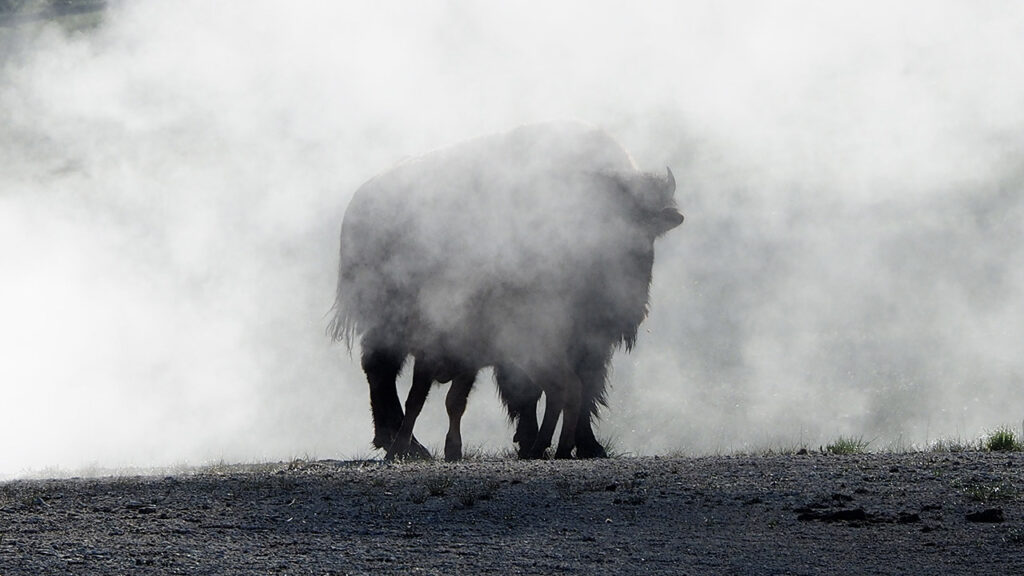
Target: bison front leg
[(455, 404), (520, 396), (562, 390), (527, 428), (570, 415), (593, 377), (587, 445), (542, 439)]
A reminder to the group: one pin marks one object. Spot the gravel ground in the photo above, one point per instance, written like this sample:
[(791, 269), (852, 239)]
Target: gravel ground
[(918, 513)]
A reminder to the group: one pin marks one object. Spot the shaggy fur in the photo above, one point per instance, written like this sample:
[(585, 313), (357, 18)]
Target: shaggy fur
[(529, 251)]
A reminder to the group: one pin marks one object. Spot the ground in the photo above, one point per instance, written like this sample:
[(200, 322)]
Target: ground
[(916, 513)]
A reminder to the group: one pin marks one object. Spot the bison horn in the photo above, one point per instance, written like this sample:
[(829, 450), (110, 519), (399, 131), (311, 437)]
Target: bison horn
[(671, 179)]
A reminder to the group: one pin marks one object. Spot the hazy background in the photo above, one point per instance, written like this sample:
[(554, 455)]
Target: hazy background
[(172, 185)]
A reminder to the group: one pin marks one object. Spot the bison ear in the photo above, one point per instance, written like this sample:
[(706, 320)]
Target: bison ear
[(665, 220)]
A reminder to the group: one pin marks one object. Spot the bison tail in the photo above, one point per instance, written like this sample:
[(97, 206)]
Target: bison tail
[(342, 327)]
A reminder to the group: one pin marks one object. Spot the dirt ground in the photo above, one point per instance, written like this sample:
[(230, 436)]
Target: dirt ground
[(918, 513)]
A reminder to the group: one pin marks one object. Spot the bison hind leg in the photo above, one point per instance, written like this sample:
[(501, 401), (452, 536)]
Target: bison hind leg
[(455, 404), (382, 366), (422, 378)]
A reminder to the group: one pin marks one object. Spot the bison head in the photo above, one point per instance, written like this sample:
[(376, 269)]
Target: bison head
[(648, 200)]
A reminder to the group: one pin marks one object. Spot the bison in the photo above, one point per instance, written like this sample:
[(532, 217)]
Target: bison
[(530, 251)]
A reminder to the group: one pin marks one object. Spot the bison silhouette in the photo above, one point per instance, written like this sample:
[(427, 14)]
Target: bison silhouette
[(529, 251)]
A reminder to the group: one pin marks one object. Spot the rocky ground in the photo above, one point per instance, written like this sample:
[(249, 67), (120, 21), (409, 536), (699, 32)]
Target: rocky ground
[(918, 513)]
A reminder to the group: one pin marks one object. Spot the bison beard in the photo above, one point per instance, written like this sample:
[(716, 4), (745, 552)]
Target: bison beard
[(529, 251)]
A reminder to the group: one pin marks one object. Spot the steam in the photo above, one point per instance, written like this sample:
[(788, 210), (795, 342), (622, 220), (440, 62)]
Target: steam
[(171, 186)]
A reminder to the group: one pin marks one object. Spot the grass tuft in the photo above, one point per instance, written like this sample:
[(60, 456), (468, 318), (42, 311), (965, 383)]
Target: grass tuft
[(848, 445), (469, 494), (794, 449), (987, 492), (953, 445), (438, 485), (1003, 439)]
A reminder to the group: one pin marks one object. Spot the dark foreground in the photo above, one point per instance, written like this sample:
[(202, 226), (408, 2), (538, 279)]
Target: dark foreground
[(960, 513)]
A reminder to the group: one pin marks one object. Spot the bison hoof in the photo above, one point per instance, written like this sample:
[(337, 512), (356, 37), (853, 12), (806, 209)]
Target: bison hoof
[(384, 439), (534, 454), (452, 451), (594, 450), (413, 451), (407, 454), (418, 452)]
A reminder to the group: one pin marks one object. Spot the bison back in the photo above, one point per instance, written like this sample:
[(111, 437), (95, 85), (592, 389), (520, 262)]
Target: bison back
[(493, 244)]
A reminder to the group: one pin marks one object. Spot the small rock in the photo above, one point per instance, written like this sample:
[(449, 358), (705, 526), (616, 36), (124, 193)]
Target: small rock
[(850, 515), (908, 518), (140, 507), (988, 515)]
